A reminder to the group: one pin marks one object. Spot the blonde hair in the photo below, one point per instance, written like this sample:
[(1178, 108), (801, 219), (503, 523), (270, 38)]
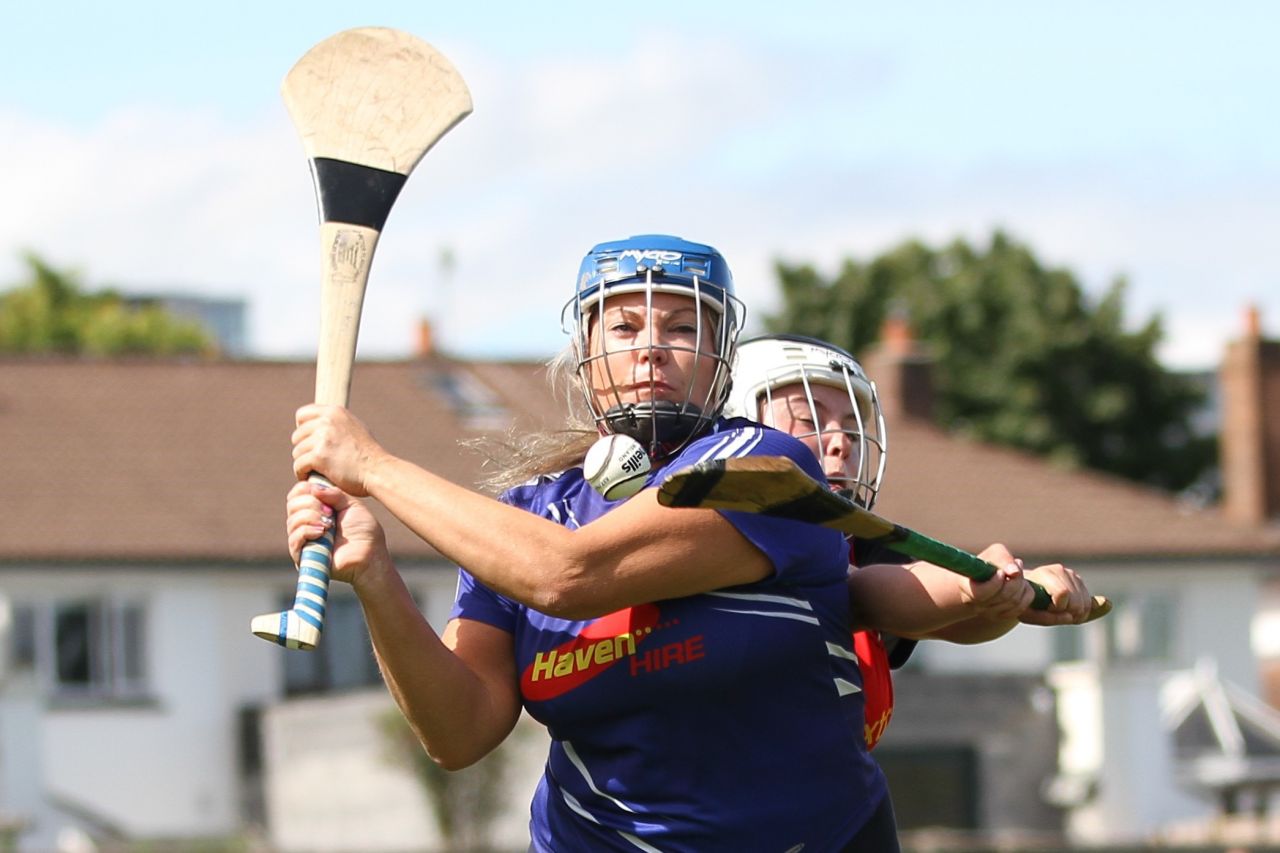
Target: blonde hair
[(515, 458)]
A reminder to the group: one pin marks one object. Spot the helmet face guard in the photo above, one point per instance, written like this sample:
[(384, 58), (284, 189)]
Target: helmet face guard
[(649, 265), (765, 365)]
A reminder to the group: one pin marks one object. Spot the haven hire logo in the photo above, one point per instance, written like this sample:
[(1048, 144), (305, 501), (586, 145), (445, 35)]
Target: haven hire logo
[(609, 641)]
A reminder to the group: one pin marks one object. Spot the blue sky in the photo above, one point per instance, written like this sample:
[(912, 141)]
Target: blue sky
[(145, 145)]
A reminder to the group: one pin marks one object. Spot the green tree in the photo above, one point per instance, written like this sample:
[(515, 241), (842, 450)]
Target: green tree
[(52, 314), (1022, 357), (465, 803)]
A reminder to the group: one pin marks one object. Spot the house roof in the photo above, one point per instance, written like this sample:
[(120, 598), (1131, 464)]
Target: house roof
[(1222, 736), (971, 494), (164, 460), (187, 460)]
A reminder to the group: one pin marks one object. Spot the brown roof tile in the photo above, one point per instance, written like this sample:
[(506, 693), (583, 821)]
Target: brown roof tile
[(141, 460), (970, 495), (169, 460)]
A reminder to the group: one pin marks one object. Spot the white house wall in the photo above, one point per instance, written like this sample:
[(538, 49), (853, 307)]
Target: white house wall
[(1214, 608), (164, 766), (1114, 738), (168, 768), (1023, 651), (332, 784)]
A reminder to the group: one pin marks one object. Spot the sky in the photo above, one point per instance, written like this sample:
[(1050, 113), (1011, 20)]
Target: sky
[(144, 146)]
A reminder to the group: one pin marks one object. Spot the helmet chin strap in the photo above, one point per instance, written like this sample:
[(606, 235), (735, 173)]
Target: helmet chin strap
[(659, 425)]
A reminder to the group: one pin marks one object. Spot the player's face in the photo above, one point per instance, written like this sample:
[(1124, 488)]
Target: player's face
[(829, 427), (652, 352)]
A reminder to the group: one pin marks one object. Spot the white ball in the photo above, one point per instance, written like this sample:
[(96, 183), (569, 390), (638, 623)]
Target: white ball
[(616, 466)]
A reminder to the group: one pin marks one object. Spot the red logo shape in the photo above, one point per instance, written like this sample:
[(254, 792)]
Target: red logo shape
[(602, 643)]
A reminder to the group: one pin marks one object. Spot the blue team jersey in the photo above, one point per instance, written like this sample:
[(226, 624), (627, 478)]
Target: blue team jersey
[(730, 720)]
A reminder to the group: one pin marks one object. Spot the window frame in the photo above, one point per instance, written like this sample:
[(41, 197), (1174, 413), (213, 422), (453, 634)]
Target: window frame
[(114, 646)]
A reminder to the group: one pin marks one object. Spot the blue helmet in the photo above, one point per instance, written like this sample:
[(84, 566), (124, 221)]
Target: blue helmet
[(657, 263), (657, 260)]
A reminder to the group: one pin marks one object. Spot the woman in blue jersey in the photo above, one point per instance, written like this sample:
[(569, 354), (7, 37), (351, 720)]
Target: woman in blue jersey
[(694, 668)]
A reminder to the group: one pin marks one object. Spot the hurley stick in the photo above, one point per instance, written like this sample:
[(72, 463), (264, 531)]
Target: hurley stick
[(368, 104), (776, 486)]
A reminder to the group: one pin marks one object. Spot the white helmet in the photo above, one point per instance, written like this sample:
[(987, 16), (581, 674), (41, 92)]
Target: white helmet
[(764, 364)]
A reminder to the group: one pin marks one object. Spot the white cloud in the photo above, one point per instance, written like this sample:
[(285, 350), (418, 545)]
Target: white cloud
[(703, 140)]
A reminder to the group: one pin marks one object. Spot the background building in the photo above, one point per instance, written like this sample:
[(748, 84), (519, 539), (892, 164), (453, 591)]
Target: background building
[(144, 531)]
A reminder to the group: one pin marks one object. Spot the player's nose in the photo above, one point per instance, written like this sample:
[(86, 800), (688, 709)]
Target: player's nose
[(838, 443)]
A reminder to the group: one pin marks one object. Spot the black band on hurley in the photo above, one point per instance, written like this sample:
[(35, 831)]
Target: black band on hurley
[(354, 194)]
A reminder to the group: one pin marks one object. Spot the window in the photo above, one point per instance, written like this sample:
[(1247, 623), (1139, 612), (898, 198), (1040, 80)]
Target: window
[(22, 638), (1068, 643), (78, 646), (472, 402), (82, 648), (132, 645), (343, 660), (1140, 628)]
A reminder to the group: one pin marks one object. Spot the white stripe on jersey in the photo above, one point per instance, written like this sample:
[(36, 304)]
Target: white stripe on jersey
[(582, 768), (562, 514), (840, 652), (799, 617), (772, 599), (735, 444), (715, 448), (844, 688), (573, 803)]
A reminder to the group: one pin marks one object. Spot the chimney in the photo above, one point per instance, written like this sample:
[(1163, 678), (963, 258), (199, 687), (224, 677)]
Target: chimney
[(426, 346), (1250, 439), (902, 371)]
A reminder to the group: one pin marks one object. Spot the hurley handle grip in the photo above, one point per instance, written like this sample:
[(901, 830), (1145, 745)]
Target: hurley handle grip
[(962, 562)]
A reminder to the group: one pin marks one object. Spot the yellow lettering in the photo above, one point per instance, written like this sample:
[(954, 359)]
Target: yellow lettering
[(564, 665), (554, 664), (603, 652), (542, 664)]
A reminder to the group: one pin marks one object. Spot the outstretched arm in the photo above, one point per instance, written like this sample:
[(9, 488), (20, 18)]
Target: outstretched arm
[(1064, 586), (924, 601)]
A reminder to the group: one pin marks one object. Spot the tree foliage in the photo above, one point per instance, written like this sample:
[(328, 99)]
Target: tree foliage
[(465, 803), (52, 314), (1022, 357)]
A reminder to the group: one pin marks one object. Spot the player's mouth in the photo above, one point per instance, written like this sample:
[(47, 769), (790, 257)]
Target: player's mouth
[(646, 390)]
